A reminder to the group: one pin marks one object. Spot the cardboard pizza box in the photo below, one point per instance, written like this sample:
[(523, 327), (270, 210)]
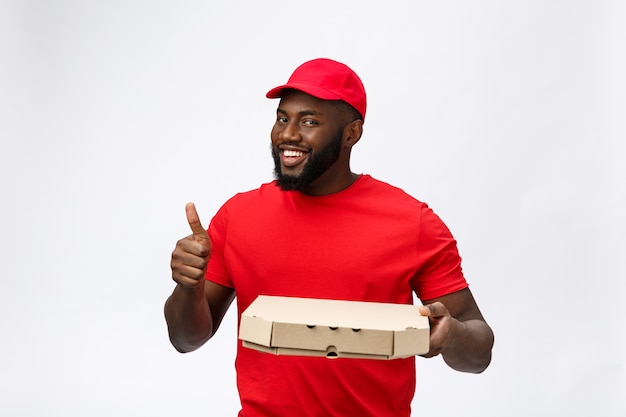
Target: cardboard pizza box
[(333, 328)]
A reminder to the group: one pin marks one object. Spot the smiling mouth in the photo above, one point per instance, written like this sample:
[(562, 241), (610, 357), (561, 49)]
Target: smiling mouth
[(291, 157), (292, 154)]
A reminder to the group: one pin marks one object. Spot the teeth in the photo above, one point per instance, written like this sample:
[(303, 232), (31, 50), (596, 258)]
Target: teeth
[(293, 154)]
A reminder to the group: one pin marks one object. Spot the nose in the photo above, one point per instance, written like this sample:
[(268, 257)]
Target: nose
[(290, 133)]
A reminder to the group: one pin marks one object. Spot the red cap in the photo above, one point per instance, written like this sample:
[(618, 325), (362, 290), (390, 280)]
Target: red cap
[(327, 80)]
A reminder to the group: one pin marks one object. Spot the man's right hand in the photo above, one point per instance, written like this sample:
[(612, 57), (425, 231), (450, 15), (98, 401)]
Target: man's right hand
[(192, 253)]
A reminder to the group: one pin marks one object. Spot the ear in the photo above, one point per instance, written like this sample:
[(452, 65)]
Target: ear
[(352, 133)]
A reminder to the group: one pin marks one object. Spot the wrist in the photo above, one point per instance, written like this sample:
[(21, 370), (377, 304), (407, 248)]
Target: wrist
[(194, 291)]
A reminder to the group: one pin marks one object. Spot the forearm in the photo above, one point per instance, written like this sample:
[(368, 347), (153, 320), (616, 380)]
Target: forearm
[(470, 351), (188, 317)]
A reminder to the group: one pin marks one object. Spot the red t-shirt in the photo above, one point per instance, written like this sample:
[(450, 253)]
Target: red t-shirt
[(369, 242)]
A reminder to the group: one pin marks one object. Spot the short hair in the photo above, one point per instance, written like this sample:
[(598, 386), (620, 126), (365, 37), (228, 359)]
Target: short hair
[(350, 113)]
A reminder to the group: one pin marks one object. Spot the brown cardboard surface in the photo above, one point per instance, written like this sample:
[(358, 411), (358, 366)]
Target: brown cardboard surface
[(333, 328)]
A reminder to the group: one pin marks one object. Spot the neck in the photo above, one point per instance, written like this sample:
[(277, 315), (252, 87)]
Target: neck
[(325, 187)]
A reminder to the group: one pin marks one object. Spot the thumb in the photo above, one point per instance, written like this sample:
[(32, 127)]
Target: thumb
[(199, 233)]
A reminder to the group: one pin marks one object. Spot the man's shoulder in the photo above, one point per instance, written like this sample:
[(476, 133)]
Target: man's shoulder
[(265, 190), (378, 187)]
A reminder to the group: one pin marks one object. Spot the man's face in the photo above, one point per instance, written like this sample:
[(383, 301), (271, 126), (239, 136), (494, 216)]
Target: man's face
[(306, 140)]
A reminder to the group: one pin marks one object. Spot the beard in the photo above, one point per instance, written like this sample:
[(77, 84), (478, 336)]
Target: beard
[(318, 163)]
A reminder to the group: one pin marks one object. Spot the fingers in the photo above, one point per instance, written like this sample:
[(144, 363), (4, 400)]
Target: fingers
[(440, 322), (434, 310), (189, 262), (187, 276), (191, 255), (199, 232)]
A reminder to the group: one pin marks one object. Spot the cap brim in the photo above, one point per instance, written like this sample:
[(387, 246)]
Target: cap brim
[(309, 89)]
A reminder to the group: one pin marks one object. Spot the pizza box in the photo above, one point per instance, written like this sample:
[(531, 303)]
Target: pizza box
[(334, 328)]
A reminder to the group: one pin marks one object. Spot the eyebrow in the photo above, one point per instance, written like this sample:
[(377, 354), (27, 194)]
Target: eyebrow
[(301, 113)]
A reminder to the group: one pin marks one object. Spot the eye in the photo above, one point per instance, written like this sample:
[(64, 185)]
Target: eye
[(281, 119), (310, 122)]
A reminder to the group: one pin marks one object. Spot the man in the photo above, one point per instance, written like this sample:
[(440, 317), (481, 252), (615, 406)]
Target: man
[(322, 231)]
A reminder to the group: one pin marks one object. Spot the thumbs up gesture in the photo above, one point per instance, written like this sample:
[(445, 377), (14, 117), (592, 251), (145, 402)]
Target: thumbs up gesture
[(192, 253)]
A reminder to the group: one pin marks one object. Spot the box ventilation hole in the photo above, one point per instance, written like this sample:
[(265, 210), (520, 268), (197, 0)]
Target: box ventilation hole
[(331, 352)]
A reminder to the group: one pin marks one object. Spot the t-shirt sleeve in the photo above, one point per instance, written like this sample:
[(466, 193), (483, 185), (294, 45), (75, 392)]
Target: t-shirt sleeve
[(440, 270), (216, 269)]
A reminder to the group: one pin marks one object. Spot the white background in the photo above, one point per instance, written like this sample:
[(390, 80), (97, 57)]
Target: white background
[(506, 117)]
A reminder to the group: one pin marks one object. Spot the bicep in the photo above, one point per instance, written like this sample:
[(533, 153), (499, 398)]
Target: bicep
[(460, 304), (219, 298)]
